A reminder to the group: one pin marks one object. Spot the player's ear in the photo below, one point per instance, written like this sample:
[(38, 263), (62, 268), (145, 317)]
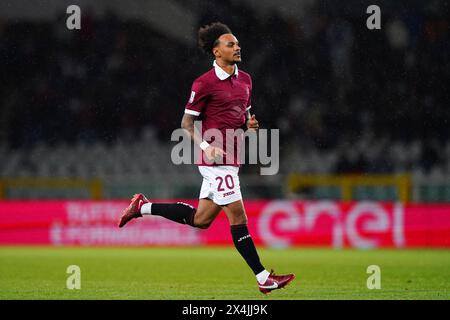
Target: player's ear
[(216, 52)]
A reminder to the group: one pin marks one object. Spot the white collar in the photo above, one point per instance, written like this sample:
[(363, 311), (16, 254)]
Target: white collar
[(221, 74)]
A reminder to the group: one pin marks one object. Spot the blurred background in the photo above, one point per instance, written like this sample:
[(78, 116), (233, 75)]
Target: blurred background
[(363, 114), (86, 118)]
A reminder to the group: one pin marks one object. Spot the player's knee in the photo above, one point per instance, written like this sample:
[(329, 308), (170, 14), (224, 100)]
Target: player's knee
[(202, 223)]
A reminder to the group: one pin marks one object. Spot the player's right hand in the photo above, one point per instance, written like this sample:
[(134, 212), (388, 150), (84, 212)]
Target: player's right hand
[(213, 153), (252, 123)]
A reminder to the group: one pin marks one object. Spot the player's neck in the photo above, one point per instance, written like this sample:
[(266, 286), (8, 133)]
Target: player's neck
[(228, 68)]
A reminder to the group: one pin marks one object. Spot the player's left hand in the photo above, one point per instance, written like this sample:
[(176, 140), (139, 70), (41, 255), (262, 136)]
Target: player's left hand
[(252, 123)]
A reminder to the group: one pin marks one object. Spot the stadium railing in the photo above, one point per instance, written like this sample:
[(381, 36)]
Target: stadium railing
[(403, 188), (351, 187), (51, 188)]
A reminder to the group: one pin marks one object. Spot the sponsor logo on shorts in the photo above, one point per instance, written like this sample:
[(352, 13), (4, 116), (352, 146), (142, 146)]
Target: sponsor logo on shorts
[(228, 194)]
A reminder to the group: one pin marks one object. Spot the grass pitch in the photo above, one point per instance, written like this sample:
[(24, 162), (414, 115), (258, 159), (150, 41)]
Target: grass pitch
[(219, 273)]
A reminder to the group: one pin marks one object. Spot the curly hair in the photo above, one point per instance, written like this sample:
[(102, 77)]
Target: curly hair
[(208, 35)]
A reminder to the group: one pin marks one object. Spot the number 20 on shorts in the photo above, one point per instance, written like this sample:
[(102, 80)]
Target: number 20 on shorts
[(229, 182)]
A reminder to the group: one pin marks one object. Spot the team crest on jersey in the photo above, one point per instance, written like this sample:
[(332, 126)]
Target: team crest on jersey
[(191, 99)]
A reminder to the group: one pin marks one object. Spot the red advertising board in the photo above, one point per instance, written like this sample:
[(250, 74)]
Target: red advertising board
[(271, 223)]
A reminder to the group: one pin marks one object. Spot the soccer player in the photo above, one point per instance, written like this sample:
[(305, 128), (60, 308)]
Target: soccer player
[(222, 99)]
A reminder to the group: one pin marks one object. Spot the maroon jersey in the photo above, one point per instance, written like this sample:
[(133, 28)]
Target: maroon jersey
[(221, 101)]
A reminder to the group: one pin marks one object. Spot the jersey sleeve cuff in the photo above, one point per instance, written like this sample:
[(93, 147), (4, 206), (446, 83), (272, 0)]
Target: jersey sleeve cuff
[(248, 108), (192, 112)]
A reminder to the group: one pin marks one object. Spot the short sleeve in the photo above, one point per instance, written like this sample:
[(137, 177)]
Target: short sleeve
[(197, 100), (249, 102)]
